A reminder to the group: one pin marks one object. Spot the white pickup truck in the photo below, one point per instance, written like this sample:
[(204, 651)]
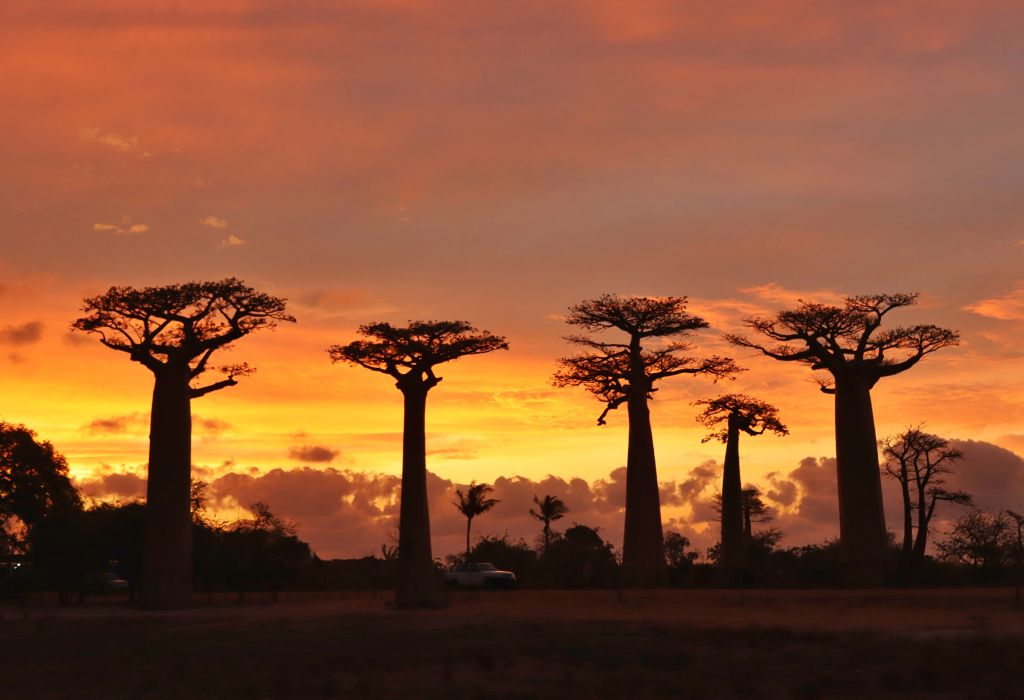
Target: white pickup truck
[(480, 575)]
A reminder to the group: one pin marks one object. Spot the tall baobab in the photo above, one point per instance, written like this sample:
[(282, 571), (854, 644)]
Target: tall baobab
[(409, 355), (728, 416), (552, 508), (919, 461), (625, 372), (847, 341), (475, 501), (174, 331)]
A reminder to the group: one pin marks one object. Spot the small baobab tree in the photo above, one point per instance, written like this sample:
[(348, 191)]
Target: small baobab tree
[(475, 501), (728, 416), (624, 372), (552, 508), (847, 341), (409, 355), (174, 332), (919, 462)]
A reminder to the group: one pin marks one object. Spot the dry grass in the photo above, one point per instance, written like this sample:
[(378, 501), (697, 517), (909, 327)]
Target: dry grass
[(528, 644)]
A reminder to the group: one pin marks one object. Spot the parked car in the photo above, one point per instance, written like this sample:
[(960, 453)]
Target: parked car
[(104, 583), (480, 575)]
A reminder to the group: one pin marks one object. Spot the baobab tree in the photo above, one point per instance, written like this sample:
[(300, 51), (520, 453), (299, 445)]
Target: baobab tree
[(476, 501), (552, 508), (409, 355), (174, 332), (728, 416), (625, 372), (847, 342), (919, 461)]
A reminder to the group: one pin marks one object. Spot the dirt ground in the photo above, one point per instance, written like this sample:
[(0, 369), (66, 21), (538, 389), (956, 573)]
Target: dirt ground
[(526, 644)]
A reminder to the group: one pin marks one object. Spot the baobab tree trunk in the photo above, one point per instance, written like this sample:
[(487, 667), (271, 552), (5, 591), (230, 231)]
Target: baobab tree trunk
[(643, 555), (924, 517), (908, 520), (167, 556), (418, 586), (732, 545), (862, 534)]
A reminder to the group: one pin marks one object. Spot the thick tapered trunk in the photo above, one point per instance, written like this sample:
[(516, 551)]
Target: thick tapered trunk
[(418, 585), (167, 554), (732, 544), (643, 555), (862, 533)]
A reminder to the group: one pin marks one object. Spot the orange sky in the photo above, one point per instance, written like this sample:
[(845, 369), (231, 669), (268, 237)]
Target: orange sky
[(397, 160)]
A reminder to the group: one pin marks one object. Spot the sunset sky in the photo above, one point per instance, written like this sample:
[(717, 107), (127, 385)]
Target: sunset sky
[(498, 162)]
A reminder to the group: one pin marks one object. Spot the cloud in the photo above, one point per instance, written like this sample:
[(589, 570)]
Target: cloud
[(1007, 307), (211, 426), (117, 424), (125, 228), (25, 334), (232, 241), (777, 294), (140, 421), (312, 453), (214, 222), (118, 485), (113, 140)]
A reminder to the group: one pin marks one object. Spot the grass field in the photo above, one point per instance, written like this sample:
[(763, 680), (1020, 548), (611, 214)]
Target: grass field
[(526, 644)]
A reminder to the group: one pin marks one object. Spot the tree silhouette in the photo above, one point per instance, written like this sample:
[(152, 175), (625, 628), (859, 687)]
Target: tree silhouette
[(33, 483), (174, 331), (473, 503), (919, 461), (549, 510), (729, 415), (409, 356), (752, 509), (625, 372), (847, 342)]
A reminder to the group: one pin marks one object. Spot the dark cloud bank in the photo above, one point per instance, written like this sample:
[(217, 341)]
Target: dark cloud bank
[(346, 513)]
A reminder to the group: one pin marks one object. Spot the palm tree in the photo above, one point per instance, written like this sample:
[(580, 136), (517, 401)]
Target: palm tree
[(550, 509), (473, 503)]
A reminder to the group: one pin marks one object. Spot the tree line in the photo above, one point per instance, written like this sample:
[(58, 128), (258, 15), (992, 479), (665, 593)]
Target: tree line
[(627, 345)]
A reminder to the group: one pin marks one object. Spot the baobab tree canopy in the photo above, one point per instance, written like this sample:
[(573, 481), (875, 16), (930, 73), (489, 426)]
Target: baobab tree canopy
[(624, 371), (848, 338), (174, 331), (615, 371), (750, 415), (410, 353), (849, 343), (182, 324)]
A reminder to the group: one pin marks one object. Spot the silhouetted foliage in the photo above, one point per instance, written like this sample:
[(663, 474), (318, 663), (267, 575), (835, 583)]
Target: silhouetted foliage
[(174, 331), (409, 355), (679, 559), (580, 558), (262, 553), (33, 484), (625, 372), (919, 461), (509, 555), (984, 542), (549, 510), (474, 502), (849, 344)]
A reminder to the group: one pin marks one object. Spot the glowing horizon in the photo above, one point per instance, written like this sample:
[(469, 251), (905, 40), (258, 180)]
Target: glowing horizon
[(395, 161)]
